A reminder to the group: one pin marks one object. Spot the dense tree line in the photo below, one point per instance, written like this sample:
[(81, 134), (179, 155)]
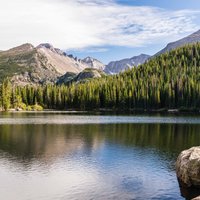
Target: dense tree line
[(171, 80)]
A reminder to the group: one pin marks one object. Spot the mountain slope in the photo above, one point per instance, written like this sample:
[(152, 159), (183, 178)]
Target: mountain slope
[(27, 64), (116, 67), (59, 60), (167, 81), (94, 63), (193, 38)]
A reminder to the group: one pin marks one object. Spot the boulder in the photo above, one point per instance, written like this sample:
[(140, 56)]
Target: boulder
[(188, 173), (197, 198), (188, 167)]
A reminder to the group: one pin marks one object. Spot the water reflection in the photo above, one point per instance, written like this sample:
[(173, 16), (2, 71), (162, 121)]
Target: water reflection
[(92, 161), (51, 141)]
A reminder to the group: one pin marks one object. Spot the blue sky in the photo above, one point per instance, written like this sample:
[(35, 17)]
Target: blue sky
[(120, 52), (167, 4), (105, 29)]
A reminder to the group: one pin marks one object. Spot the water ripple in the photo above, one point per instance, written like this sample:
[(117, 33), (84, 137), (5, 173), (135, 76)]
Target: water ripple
[(93, 119)]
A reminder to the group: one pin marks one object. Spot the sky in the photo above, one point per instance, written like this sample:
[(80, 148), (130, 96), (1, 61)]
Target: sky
[(105, 29)]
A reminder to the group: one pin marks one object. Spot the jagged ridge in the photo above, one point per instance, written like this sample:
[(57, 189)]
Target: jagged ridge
[(116, 67)]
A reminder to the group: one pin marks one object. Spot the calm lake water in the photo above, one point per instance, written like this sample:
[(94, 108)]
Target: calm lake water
[(61, 156)]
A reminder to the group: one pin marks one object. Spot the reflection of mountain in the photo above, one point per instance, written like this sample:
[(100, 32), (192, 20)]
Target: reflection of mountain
[(44, 142), (47, 142)]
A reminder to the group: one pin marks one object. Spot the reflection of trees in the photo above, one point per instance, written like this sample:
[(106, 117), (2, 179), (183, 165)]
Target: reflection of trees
[(48, 141), (168, 137)]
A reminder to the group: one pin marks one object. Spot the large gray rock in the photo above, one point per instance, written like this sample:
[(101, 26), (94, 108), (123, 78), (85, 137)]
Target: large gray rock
[(188, 167), (197, 198)]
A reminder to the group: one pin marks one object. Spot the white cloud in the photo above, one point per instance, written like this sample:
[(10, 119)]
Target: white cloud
[(78, 24), (91, 50)]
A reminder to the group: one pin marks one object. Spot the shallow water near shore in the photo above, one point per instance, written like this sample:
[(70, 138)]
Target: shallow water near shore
[(59, 155)]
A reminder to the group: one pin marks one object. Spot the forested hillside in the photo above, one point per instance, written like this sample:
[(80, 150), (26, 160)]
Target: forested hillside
[(171, 80)]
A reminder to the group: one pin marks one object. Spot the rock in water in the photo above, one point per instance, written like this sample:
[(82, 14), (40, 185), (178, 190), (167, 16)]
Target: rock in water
[(188, 172), (197, 198), (188, 167)]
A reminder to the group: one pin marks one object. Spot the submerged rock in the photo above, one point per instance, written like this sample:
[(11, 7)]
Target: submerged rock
[(188, 172)]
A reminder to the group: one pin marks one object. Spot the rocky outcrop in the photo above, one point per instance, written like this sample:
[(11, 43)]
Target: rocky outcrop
[(188, 172), (88, 74), (94, 63), (85, 75), (66, 78)]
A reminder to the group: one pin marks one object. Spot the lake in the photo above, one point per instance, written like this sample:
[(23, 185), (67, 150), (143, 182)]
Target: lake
[(61, 156)]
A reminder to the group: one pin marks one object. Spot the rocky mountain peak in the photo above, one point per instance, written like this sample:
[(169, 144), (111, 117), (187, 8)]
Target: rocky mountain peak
[(143, 55), (46, 45), (140, 58), (51, 47), (93, 63), (88, 59), (116, 67), (22, 48)]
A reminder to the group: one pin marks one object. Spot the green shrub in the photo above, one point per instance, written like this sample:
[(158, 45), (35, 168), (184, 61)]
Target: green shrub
[(37, 107), (22, 106), (29, 108)]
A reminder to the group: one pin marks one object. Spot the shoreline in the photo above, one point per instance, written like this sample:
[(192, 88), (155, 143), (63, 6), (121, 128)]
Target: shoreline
[(115, 111)]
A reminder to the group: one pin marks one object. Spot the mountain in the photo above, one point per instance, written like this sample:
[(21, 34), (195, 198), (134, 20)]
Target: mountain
[(165, 82), (116, 67), (193, 38), (85, 75), (94, 63), (90, 62), (66, 78), (27, 64)]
